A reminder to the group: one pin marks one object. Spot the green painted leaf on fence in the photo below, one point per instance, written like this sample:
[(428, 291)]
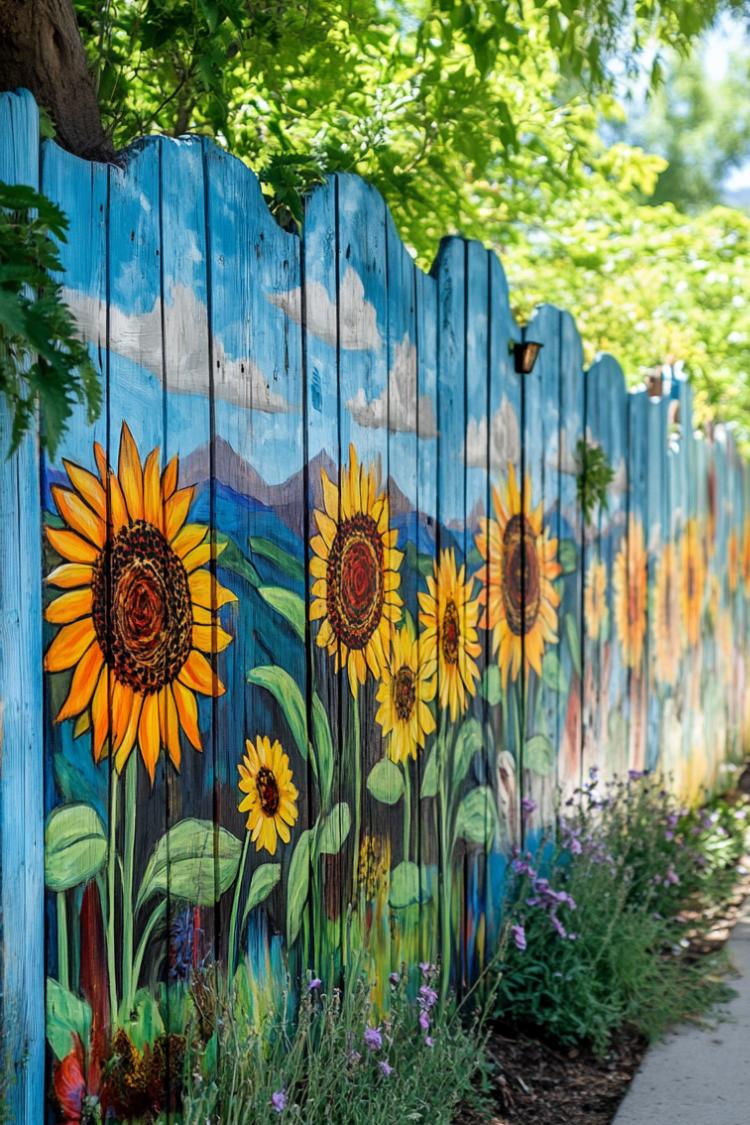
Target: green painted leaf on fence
[(430, 777), (468, 743), (386, 782), (323, 743), (194, 861), (492, 687), (404, 885), (553, 673), (288, 604), (289, 698), (298, 886), (539, 755), (262, 883), (476, 820), (333, 830), (146, 1024), (281, 559), (232, 558), (567, 556), (571, 631), (67, 1015), (75, 846)]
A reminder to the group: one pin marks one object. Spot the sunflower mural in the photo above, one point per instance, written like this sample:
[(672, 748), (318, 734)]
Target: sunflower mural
[(450, 615), (270, 798), (407, 687), (630, 584), (519, 599), (693, 579), (595, 608), (667, 617)]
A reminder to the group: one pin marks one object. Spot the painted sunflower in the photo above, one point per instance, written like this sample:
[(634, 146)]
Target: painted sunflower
[(140, 609), (733, 560), (595, 610), (693, 570), (355, 572), (271, 801), (667, 622), (521, 564), (630, 583), (450, 615), (408, 685)]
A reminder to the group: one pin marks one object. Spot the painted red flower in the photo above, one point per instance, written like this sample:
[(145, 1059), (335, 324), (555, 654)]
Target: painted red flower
[(73, 1084)]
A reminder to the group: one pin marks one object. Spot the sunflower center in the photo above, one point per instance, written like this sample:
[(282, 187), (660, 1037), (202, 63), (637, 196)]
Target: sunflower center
[(141, 608), (356, 587), (450, 633), (404, 692), (268, 790), (520, 578)]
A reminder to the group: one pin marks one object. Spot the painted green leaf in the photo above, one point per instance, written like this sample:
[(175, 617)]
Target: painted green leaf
[(386, 782), (232, 558), (415, 560), (289, 698), (188, 861), (539, 755), (553, 673), (334, 829), (476, 820), (409, 885), (66, 1015), (323, 743), (468, 743), (281, 559), (430, 778), (288, 604), (571, 631), (262, 883), (492, 687), (298, 886), (146, 1024), (567, 556), (75, 846)]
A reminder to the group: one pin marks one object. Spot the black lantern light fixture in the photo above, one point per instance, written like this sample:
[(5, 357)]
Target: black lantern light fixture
[(525, 354)]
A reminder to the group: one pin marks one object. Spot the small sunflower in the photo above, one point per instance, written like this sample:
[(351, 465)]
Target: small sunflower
[(271, 801), (667, 621), (407, 687), (139, 609), (520, 567), (693, 569), (450, 615), (355, 572), (595, 610), (630, 583), (733, 561)]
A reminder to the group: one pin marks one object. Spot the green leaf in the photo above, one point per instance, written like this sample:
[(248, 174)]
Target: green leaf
[(232, 558), (386, 782), (281, 559), (146, 1024), (187, 862), (553, 673), (430, 776), (476, 820), (468, 743), (492, 687), (567, 556), (66, 1015), (288, 604), (298, 886), (408, 885), (333, 829), (323, 743), (289, 698), (75, 846), (262, 883), (539, 755), (571, 631)]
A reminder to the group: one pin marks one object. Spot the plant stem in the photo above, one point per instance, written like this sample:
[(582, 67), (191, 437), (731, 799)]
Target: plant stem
[(63, 974), (231, 956), (357, 755), (131, 793), (407, 810), (156, 915), (446, 880), (112, 894)]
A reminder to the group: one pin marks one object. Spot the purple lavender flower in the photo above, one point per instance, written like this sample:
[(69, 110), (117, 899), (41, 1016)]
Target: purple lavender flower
[(426, 968), (278, 1101), (429, 1041), (635, 775), (528, 804), (314, 984), (373, 1038), (519, 936), (427, 997), (424, 1020), (395, 979), (558, 926), (386, 1068)]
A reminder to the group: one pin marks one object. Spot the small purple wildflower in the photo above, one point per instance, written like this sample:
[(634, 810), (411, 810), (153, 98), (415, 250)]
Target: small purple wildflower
[(429, 1041), (528, 804), (373, 1038), (314, 984), (278, 1101), (427, 997), (636, 775), (395, 979), (385, 1068), (519, 937), (426, 968), (424, 1020)]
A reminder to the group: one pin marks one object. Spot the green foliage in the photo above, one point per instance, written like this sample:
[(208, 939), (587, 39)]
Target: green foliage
[(319, 1059), (594, 476), (42, 360), (606, 927)]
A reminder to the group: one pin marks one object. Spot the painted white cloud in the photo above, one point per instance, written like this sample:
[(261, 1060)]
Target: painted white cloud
[(397, 406), (138, 337), (357, 321), (505, 439)]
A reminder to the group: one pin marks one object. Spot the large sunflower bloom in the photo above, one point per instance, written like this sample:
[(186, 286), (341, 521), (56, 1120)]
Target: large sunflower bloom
[(521, 564), (450, 615), (630, 582), (693, 571), (271, 798), (595, 609), (667, 623), (355, 572), (139, 610), (407, 687)]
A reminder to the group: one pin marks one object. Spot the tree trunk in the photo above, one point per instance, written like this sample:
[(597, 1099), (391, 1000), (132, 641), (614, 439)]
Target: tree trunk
[(41, 49)]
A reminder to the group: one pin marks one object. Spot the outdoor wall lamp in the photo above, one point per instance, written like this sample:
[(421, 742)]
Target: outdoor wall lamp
[(525, 354)]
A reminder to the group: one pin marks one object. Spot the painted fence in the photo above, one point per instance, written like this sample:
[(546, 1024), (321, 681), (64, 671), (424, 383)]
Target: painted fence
[(320, 607)]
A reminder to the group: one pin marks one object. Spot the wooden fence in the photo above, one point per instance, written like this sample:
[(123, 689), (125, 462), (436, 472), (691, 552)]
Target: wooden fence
[(320, 608)]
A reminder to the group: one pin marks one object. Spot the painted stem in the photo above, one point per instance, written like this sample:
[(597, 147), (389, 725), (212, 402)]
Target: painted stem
[(63, 973), (155, 917), (407, 810), (231, 949), (112, 893), (357, 827), (446, 879), (131, 794)]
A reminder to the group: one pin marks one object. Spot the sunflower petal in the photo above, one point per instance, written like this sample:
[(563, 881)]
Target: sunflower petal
[(83, 684), (176, 510), (69, 645), (210, 638), (152, 506), (69, 607), (187, 711), (148, 734), (125, 747), (87, 486), (196, 673), (100, 715), (169, 478), (78, 516), (189, 537), (69, 575), (171, 727)]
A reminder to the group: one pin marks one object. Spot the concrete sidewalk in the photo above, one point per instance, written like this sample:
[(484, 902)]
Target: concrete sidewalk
[(700, 1076)]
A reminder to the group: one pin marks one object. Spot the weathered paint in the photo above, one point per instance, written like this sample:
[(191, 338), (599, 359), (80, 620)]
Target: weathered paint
[(361, 462)]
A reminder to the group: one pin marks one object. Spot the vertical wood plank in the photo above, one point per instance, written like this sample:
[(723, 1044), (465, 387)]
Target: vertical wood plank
[(635, 620)]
